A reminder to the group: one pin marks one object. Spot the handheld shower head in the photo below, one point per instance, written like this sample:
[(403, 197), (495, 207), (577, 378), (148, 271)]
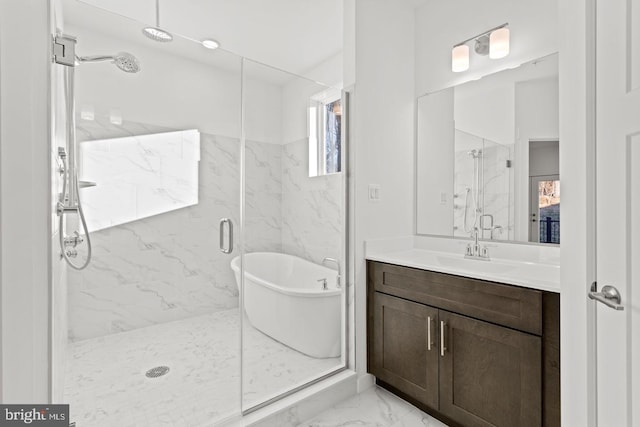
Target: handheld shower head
[(127, 62), (123, 60)]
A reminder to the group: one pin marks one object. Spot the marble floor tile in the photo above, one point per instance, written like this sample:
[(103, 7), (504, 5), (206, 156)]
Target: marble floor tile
[(375, 407), (105, 382)]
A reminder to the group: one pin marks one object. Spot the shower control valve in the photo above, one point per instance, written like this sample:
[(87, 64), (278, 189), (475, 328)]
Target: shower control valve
[(64, 208), (73, 241), (71, 253)]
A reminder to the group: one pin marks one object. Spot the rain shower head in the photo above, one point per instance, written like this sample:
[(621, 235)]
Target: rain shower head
[(157, 33), (123, 60)]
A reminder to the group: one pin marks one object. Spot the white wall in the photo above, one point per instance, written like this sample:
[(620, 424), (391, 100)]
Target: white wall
[(486, 109), (25, 208), (435, 153), (442, 24), (170, 90), (544, 158), (384, 138)]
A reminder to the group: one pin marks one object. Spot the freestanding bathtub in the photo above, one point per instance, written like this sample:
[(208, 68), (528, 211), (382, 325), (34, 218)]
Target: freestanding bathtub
[(283, 299)]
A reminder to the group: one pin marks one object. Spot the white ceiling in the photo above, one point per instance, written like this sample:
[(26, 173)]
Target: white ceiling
[(293, 35)]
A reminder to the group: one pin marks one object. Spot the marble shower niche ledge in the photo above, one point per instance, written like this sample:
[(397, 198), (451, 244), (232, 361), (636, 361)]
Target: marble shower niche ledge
[(138, 176), (529, 266)]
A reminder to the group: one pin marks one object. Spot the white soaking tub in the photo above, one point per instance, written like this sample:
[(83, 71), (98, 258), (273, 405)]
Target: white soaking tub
[(283, 299)]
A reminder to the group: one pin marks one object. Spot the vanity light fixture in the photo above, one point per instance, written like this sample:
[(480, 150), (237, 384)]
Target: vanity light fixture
[(494, 43), (499, 43), (460, 58)]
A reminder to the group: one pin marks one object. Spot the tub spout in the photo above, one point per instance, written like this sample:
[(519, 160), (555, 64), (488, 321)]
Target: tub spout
[(337, 263), (324, 284)]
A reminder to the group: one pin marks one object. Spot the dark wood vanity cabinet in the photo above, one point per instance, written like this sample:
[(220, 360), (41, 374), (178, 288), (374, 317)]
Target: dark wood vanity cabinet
[(403, 349), (470, 352)]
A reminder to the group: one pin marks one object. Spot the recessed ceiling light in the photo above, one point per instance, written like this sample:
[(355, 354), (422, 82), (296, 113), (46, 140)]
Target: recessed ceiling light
[(210, 44)]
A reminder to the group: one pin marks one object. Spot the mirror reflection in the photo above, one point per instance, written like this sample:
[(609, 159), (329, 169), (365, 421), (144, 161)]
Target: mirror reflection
[(488, 157)]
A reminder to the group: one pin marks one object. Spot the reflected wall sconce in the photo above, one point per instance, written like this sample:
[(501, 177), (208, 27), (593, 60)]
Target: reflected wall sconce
[(494, 43)]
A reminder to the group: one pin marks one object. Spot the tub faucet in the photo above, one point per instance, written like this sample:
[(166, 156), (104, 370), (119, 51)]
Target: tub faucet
[(337, 263), (324, 284)]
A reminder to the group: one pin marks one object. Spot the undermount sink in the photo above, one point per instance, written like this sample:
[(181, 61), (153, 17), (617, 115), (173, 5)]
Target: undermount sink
[(495, 267), (507, 264)]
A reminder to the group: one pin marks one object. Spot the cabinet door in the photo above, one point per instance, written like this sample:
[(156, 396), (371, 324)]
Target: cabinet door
[(489, 375), (404, 351)]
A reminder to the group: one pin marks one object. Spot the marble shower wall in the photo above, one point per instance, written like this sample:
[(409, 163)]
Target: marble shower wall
[(165, 267), (498, 196), (169, 267), (312, 208), (496, 189), (263, 197), (139, 176)]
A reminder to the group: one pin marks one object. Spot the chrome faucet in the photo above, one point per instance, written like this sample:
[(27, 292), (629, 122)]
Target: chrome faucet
[(337, 263), (496, 228), (324, 284), (475, 250)]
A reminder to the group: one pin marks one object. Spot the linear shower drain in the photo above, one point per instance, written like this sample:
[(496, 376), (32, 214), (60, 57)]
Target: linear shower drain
[(156, 372)]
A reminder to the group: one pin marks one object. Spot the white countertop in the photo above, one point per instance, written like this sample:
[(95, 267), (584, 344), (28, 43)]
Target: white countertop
[(533, 270)]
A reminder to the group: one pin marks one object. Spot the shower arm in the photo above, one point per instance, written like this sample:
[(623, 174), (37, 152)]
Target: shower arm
[(95, 58)]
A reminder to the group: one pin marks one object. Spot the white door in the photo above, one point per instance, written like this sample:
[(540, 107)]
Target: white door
[(618, 211)]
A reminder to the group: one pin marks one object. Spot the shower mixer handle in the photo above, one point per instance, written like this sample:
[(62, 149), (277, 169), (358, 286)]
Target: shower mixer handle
[(71, 253), (73, 241)]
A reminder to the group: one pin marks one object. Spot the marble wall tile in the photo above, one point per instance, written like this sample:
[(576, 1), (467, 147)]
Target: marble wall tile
[(263, 197), (312, 208), (495, 193), (165, 267)]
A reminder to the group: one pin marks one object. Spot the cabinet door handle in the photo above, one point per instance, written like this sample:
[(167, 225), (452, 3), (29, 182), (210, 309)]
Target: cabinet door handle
[(429, 333), (442, 346)]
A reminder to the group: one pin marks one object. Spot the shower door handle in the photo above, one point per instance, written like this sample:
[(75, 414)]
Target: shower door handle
[(229, 248)]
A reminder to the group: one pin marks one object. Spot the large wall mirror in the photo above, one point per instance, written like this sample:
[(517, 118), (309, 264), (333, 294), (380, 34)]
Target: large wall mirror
[(488, 157)]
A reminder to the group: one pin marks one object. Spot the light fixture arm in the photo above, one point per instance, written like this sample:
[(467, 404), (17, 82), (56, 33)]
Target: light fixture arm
[(158, 13), (481, 34)]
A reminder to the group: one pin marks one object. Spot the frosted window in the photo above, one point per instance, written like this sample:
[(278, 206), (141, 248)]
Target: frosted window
[(138, 176)]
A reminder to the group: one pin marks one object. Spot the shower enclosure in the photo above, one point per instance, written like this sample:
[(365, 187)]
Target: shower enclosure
[(198, 158), (483, 184)]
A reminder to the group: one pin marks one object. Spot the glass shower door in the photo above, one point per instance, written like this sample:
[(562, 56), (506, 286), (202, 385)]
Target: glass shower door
[(152, 324), (293, 292)]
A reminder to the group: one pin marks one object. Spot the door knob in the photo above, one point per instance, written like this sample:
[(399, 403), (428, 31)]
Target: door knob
[(609, 296)]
